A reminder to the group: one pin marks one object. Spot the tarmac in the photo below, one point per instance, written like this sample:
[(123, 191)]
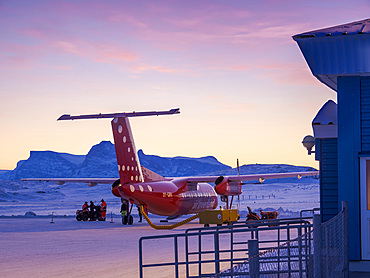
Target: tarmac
[(34, 247)]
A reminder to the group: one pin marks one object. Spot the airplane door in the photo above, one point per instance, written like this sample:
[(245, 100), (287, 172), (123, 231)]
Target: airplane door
[(365, 207)]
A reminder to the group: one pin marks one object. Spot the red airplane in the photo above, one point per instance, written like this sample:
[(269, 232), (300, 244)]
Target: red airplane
[(170, 197)]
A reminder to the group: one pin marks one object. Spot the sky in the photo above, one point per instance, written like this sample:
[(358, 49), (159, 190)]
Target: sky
[(242, 85)]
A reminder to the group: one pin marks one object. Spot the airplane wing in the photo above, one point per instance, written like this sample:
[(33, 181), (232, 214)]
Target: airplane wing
[(89, 181), (233, 178), (232, 185), (256, 177)]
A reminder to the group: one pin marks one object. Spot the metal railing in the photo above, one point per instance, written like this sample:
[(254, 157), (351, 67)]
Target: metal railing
[(272, 248), (291, 259), (205, 252), (325, 256)]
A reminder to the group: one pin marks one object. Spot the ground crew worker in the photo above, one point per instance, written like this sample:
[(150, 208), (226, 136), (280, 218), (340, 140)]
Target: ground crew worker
[(92, 209), (124, 207), (140, 215), (103, 207), (85, 211), (85, 206)]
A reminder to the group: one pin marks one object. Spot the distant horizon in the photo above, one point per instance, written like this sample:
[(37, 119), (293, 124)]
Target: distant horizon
[(84, 155)]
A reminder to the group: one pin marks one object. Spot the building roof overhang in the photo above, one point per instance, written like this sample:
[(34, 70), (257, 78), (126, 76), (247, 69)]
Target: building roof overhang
[(332, 52)]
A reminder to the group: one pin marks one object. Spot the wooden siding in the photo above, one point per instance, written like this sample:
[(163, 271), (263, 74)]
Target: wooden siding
[(328, 177), (349, 146), (365, 115)]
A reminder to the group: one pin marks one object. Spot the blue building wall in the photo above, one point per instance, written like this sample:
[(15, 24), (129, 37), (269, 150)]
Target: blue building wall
[(339, 57), (326, 151), (349, 148), (365, 115)]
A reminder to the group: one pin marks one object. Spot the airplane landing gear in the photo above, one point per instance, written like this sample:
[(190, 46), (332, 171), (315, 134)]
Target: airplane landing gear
[(130, 219), (124, 220), (127, 219)]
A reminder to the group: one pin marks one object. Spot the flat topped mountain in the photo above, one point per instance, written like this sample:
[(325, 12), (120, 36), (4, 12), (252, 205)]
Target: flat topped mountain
[(101, 162)]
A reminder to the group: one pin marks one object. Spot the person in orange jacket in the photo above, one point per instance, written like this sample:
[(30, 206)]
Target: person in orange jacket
[(85, 206), (85, 211), (103, 207)]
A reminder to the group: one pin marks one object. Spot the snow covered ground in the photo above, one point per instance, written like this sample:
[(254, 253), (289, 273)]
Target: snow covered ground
[(43, 198), (34, 247), (289, 196)]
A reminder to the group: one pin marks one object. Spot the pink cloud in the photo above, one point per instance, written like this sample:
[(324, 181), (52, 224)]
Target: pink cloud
[(287, 73), (33, 33), (223, 104), (140, 67), (199, 32), (68, 47), (64, 67), (238, 68), (115, 53), (14, 56), (103, 53)]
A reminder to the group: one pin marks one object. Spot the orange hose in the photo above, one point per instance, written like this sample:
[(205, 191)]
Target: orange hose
[(166, 227)]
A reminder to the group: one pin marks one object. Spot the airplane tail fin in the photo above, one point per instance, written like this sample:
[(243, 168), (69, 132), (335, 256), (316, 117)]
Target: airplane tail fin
[(129, 167), (128, 162)]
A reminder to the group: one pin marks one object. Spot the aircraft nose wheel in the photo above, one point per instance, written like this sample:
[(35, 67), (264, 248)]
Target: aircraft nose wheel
[(127, 219), (130, 220), (124, 220)]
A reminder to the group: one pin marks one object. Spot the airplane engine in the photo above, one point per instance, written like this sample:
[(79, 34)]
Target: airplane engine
[(226, 187), (115, 190)]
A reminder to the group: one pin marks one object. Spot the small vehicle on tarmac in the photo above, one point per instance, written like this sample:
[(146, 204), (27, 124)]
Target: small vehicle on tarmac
[(265, 215), (85, 215)]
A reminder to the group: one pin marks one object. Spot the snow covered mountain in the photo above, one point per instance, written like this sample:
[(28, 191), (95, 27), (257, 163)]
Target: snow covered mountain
[(182, 166), (17, 197), (101, 162), (43, 164)]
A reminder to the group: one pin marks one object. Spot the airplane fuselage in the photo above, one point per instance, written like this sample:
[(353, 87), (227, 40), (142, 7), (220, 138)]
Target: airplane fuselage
[(169, 198)]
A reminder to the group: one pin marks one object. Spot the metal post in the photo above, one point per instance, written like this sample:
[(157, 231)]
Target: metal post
[(232, 251), (254, 264), (217, 252), (199, 254), (288, 252), (141, 273), (52, 218), (176, 257), (278, 245), (317, 245), (300, 252), (187, 253)]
